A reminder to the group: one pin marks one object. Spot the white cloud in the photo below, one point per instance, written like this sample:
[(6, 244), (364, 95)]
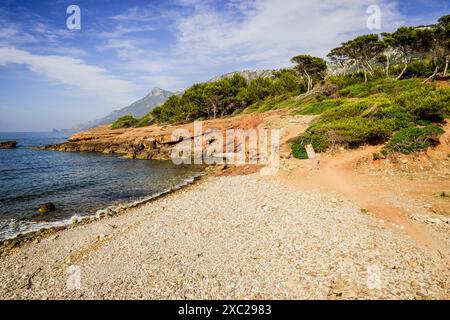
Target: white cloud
[(166, 82), (211, 38), (12, 34), (73, 72), (268, 33)]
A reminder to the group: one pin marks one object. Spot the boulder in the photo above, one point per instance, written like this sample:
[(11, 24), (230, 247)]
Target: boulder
[(46, 207), (8, 144)]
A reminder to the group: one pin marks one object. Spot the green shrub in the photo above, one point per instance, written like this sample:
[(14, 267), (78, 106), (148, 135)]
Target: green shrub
[(320, 143), (127, 121), (416, 69), (274, 103), (413, 139), (387, 86), (426, 104), (144, 121), (353, 122), (343, 81), (319, 106), (355, 131), (236, 112), (401, 117), (372, 107)]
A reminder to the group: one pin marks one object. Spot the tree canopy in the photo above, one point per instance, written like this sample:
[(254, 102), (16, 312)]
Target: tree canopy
[(313, 68), (406, 52)]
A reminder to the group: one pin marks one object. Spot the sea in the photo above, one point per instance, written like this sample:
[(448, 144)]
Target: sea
[(78, 184)]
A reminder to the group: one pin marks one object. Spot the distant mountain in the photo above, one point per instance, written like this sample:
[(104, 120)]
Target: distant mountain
[(136, 109), (247, 74)]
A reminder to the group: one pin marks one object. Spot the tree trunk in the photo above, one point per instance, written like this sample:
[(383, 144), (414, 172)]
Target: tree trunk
[(387, 66), (431, 78), (403, 71), (447, 59), (365, 74), (369, 65), (308, 78)]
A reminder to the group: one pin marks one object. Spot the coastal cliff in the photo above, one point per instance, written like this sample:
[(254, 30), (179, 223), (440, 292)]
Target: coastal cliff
[(156, 142), (138, 143)]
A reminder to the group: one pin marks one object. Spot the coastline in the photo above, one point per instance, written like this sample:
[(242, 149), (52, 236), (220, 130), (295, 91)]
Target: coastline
[(35, 234), (229, 237)]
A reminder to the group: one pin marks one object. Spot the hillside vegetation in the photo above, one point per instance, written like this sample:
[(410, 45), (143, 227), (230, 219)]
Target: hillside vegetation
[(374, 89)]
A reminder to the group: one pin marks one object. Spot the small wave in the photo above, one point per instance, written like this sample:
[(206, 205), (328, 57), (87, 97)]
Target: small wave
[(11, 228)]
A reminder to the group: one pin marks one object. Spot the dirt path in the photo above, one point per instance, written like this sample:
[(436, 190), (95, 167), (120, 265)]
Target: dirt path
[(338, 175)]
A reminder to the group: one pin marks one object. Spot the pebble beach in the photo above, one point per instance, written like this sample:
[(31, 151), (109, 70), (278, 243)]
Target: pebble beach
[(229, 237)]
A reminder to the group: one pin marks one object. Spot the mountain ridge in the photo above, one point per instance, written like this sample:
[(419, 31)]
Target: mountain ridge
[(137, 109)]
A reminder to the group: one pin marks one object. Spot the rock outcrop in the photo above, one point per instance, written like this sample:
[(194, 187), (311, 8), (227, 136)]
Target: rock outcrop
[(136, 143), (47, 208), (157, 141), (8, 144)]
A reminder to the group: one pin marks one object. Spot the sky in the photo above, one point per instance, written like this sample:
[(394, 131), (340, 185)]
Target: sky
[(54, 77)]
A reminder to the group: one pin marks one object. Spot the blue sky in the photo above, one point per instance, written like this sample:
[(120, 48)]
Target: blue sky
[(52, 77)]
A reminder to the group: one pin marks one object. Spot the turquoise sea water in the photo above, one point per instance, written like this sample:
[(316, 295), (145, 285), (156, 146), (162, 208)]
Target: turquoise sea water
[(77, 183)]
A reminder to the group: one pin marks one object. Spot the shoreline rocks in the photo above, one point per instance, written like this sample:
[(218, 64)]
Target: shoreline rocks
[(8, 144), (47, 208)]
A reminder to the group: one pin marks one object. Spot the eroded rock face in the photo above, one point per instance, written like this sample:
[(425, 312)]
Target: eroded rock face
[(135, 149), (138, 143), (8, 144), (157, 141)]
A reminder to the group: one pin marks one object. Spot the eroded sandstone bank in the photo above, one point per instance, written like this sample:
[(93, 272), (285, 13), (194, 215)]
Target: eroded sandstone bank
[(156, 141)]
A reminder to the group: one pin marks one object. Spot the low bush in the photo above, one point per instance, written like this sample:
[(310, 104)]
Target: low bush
[(352, 122), (416, 69), (427, 104), (413, 139), (343, 81), (319, 107), (144, 121), (387, 86), (355, 131), (127, 121), (320, 143)]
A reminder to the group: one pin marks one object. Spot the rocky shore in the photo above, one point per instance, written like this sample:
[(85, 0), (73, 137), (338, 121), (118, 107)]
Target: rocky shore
[(8, 144), (132, 143), (233, 237), (156, 141)]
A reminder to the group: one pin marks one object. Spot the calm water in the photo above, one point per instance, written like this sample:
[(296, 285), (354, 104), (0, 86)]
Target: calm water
[(77, 183)]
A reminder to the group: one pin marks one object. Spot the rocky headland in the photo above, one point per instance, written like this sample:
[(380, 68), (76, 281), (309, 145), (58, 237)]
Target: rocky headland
[(157, 141)]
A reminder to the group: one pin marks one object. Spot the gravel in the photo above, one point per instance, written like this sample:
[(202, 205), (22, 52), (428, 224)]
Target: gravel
[(240, 237)]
